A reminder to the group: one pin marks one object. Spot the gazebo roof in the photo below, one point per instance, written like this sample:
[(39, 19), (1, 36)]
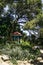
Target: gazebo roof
[(17, 34)]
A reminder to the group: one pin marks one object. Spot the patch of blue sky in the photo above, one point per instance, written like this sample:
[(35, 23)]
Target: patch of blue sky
[(6, 8), (22, 20), (26, 32), (42, 1), (2, 15), (31, 31), (21, 24), (15, 16)]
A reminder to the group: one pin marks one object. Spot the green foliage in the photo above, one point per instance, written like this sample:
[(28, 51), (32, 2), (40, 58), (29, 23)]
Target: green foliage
[(33, 23), (20, 52), (41, 33), (25, 43), (14, 61), (6, 26), (40, 18)]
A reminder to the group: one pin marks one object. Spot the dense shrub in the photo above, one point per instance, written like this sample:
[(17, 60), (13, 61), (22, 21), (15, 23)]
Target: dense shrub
[(19, 52)]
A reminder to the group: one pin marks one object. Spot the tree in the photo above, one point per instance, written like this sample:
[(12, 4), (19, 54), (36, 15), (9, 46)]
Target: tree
[(6, 20), (33, 23), (7, 23), (38, 21)]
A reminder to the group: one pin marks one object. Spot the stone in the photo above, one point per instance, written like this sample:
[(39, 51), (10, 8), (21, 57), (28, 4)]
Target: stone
[(5, 57)]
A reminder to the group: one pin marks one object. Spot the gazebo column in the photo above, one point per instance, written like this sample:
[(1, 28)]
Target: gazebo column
[(18, 40), (14, 38)]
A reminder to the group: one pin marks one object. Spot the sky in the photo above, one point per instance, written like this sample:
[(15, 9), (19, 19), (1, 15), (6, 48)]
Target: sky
[(6, 8), (42, 1)]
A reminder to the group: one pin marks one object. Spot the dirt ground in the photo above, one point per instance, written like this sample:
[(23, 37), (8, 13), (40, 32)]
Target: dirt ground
[(4, 63)]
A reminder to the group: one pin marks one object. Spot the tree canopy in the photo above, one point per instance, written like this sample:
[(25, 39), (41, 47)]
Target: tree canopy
[(8, 9)]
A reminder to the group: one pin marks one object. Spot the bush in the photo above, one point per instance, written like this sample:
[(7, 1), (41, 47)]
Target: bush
[(24, 43), (19, 52), (13, 60)]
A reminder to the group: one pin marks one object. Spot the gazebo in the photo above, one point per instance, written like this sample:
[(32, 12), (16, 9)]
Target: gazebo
[(17, 36)]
